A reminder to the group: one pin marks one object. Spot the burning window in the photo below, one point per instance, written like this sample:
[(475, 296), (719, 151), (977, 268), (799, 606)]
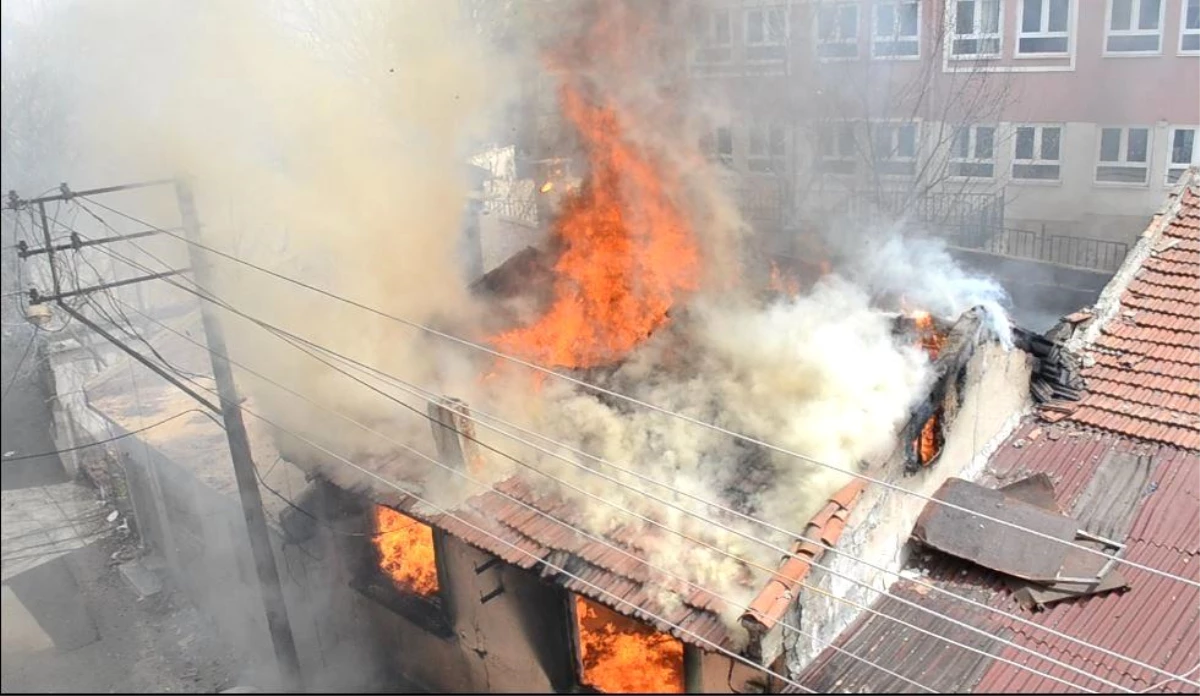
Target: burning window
[(406, 552), (929, 442), (619, 655)]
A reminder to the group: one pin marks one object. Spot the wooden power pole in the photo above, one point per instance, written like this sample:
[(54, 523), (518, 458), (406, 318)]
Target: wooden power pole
[(243, 465)]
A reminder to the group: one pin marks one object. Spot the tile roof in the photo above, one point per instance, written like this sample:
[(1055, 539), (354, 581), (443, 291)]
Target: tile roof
[(826, 526), (601, 571), (1145, 378), (517, 534), (1156, 621)]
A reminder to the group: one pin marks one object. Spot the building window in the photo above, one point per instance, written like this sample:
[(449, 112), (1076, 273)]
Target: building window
[(837, 148), (718, 145), (894, 147), (1134, 26), (714, 36), (766, 33), (406, 552), (837, 30), (403, 572), (1189, 27), (768, 149), (620, 655), (897, 29), (973, 152), (1044, 27), (975, 28), (1184, 153), (1038, 153), (1124, 155)]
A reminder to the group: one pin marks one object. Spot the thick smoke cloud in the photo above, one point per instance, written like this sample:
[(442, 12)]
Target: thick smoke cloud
[(330, 142)]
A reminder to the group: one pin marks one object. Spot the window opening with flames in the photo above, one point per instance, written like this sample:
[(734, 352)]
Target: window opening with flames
[(620, 655), (406, 552), (928, 444)]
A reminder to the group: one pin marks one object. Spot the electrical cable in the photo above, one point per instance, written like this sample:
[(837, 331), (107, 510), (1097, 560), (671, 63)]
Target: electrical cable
[(770, 571), (540, 513), (644, 404), (781, 550), (784, 551), (106, 441), (16, 376)]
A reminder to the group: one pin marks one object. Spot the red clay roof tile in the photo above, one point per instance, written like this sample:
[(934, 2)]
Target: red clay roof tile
[(1145, 381)]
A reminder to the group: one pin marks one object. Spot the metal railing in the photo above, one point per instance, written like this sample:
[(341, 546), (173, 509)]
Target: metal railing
[(1062, 250), (513, 208)]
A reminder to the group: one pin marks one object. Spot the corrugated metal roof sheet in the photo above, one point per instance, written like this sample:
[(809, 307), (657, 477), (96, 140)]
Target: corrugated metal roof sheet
[(1157, 621)]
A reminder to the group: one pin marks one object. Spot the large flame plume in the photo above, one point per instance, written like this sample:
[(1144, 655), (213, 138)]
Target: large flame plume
[(406, 551), (623, 656), (627, 253)]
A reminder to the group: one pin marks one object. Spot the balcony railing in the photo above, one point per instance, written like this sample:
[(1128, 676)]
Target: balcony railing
[(1061, 250)]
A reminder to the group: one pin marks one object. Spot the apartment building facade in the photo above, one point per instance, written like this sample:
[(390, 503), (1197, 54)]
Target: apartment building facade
[(1075, 115)]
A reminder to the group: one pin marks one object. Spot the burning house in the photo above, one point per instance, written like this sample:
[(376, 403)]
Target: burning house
[(678, 497), (484, 567)]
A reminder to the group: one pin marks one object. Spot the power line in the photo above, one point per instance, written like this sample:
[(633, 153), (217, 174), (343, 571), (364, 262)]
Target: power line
[(770, 571), (532, 508), (653, 407), (777, 548), (443, 511), (20, 363), (103, 442)]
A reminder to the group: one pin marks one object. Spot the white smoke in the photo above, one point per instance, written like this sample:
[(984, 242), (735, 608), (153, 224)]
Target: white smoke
[(334, 142), (920, 271)]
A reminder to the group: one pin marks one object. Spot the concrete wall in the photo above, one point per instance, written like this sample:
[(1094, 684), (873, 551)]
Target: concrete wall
[(346, 639), (995, 395)]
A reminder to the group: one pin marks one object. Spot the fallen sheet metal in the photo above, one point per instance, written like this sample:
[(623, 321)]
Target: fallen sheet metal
[(962, 533), (972, 526), (1038, 490)]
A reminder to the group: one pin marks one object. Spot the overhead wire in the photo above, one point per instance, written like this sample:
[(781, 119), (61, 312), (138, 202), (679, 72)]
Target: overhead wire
[(105, 441), (788, 553), (540, 512), (770, 571), (548, 563), (16, 376), (644, 404)]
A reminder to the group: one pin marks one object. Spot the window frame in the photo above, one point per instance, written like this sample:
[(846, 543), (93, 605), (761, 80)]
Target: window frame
[(1038, 159), (894, 126), (895, 37), (1135, 14), (819, 41), (711, 145), (952, 35), (1123, 154), (838, 129), (1044, 33), (704, 49), (1184, 31), (1171, 164), (434, 613), (971, 158), (766, 42), (771, 159)]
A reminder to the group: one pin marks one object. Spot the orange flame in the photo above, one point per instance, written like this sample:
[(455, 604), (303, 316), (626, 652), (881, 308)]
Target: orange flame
[(406, 551), (927, 443), (931, 339), (623, 656), (627, 252)]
